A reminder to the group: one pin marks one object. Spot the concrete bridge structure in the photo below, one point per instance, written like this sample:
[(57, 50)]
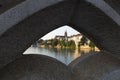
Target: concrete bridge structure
[(25, 21)]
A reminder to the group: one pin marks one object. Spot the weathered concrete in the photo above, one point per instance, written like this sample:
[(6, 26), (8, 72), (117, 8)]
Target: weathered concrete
[(114, 4), (86, 18), (97, 66), (107, 9), (35, 67), (17, 39), (25, 23), (7, 4), (96, 25), (22, 11)]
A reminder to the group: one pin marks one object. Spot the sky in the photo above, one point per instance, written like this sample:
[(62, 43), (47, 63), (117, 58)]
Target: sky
[(60, 31)]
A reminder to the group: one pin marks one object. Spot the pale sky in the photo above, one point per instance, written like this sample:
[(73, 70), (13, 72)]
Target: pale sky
[(60, 31)]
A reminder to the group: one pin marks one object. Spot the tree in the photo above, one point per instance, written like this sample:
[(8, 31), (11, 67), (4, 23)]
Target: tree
[(83, 40), (62, 43), (79, 45), (54, 42), (40, 41), (45, 43), (71, 44), (92, 45)]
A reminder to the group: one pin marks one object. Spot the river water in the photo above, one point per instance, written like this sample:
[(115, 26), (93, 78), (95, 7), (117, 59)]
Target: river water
[(64, 55)]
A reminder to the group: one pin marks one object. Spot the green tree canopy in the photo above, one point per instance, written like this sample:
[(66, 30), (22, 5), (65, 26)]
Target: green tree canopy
[(83, 40)]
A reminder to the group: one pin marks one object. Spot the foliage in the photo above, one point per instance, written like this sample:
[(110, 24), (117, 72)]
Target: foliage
[(71, 44), (83, 40), (92, 45), (79, 44), (54, 42), (62, 43), (41, 41), (46, 44)]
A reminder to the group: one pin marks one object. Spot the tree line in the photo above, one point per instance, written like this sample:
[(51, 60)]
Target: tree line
[(65, 43)]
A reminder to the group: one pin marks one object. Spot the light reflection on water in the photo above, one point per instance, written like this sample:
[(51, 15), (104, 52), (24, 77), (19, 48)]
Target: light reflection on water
[(64, 55)]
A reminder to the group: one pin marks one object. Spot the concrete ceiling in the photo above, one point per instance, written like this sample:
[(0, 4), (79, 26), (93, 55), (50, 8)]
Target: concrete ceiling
[(25, 23)]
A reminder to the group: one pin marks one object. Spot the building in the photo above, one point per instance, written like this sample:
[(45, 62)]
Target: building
[(65, 37), (76, 38)]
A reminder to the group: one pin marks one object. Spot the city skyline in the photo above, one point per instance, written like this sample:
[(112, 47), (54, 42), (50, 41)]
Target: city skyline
[(60, 31)]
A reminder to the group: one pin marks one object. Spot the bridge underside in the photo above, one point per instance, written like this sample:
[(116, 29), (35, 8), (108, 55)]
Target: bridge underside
[(84, 16)]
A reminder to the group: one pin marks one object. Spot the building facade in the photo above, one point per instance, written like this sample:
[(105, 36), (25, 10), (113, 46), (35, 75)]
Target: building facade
[(76, 38)]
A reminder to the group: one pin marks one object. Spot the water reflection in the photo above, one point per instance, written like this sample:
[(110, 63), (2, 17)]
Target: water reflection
[(63, 55)]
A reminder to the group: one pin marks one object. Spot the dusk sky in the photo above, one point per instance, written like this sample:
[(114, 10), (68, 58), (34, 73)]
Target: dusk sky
[(60, 31)]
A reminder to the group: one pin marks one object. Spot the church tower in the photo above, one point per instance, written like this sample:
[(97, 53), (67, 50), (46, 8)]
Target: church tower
[(66, 36)]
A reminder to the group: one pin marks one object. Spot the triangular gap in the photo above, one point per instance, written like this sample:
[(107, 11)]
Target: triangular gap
[(64, 43)]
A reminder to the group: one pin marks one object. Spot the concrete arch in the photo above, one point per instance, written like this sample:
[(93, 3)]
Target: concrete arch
[(35, 67), (22, 35), (98, 26), (96, 66), (81, 15)]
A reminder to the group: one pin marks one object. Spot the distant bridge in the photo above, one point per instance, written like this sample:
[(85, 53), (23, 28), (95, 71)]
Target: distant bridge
[(24, 22)]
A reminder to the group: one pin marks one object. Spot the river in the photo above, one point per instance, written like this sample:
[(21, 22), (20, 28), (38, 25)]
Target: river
[(64, 55)]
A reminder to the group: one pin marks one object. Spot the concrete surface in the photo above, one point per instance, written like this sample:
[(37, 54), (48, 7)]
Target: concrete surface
[(18, 38), (25, 23), (97, 26), (21, 11), (35, 67), (96, 66)]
